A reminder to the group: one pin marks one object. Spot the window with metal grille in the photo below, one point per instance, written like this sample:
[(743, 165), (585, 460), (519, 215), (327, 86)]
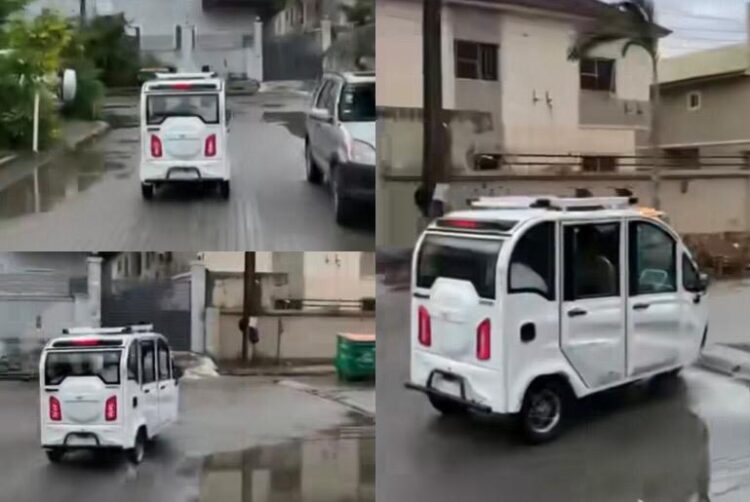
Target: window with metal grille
[(476, 61), (598, 164), (598, 74)]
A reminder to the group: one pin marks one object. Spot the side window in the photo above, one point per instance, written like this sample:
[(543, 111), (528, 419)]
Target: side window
[(320, 102), (164, 364), (532, 264), (133, 362), (592, 261), (333, 92), (690, 277), (148, 361), (652, 260)]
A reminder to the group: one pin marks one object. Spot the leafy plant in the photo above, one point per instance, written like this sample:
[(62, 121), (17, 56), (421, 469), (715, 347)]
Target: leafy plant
[(360, 13), (106, 43)]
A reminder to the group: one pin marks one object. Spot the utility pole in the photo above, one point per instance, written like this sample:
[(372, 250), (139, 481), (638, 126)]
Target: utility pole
[(82, 4), (248, 301), (433, 155)]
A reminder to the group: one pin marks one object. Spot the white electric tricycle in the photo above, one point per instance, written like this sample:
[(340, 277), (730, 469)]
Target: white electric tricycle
[(522, 304)]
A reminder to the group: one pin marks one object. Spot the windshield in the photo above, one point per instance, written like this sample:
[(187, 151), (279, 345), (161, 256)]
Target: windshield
[(462, 258), (357, 103), (103, 364), (203, 106)]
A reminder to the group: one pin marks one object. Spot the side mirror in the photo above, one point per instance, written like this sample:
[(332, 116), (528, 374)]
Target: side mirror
[(176, 372), (703, 282), (322, 115)]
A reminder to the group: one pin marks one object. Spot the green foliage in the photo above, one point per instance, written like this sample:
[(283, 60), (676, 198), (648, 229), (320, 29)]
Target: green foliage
[(38, 45), (106, 43), (89, 93), (361, 13)]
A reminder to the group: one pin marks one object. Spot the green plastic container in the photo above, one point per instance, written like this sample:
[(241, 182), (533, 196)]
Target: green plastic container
[(355, 356)]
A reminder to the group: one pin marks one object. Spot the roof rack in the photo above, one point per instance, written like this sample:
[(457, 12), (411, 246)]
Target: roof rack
[(186, 76), (123, 330), (554, 203)]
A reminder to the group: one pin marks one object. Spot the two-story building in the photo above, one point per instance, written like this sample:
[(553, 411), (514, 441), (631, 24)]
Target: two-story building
[(514, 103), (305, 15), (705, 104), (225, 35)]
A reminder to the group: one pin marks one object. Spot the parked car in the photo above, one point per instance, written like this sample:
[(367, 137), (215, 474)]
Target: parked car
[(523, 304), (107, 388), (340, 140)]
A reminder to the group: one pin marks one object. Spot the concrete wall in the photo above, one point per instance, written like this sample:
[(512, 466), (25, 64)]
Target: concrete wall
[(227, 39), (721, 119), (727, 195), (289, 337)]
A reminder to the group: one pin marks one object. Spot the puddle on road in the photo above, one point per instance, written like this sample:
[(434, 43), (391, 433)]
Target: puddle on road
[(293, 121), (332, 467), (39, 190)]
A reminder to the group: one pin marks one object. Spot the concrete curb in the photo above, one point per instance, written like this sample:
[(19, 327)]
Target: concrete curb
[(8, 159), (329, 396), (316, 370), (98, 130), (726, 360)]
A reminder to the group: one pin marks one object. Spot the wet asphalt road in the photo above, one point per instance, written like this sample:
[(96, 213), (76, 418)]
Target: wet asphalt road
[(237, 440), (688, 441), (91, 199)]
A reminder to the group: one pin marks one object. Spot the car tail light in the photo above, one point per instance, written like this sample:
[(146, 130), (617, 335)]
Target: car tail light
[(110, 409), (85, 342), (55, 413), (211, 146), (483, 340), (156, 149), (425, 329)]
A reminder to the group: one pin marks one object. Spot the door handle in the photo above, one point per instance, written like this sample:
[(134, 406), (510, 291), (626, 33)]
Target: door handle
[(576, 312), (146, 391), (697, 299), (163, 387), (641, 306)]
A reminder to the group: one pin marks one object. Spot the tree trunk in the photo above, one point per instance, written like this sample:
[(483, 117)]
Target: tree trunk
[(655, 136), (248, 300), (432, 74)]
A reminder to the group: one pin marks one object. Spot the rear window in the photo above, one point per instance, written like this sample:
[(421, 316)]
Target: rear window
[(357, 103), (473, 260), (103, 364), (203, 106)]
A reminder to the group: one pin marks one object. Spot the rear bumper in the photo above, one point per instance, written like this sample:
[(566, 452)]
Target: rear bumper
[(358, 182), (106, 436), (482, 388), (188, 172)]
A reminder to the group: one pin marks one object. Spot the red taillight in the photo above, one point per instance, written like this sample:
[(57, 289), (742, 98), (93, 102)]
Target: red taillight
[(425, 329), (483, 340), (156, 150), (461, 223), (211, 146), (86, 342), (110, 409), (55, 413), (181, 87)]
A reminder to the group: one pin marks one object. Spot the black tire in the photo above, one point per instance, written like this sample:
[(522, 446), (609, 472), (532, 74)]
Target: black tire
[(147, 191), (312, 171), (446, 406), (135, 455), (343, 208), (545, 411), (224, 189), (55, 455)]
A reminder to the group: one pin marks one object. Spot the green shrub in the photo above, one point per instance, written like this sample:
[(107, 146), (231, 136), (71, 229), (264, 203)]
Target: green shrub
[(89, 93)]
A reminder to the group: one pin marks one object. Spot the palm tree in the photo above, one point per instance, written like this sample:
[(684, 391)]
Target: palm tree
[(634, 23)]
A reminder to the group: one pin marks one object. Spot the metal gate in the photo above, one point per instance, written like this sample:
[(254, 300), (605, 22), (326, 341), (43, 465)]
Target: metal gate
[(165, 303), (295, 56)]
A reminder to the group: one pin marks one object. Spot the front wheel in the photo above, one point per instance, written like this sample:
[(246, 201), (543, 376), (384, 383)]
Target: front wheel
[(312, 172), (147, 191), (544, 410), (55, 455), (137, 452), (342, 207)]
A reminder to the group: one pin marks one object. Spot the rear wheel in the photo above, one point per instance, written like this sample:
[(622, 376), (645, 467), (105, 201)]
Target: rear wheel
[(136, 453), (342, 207), (147, 190), (224, 189), (544, 411), (311, 169), (446, 406), (55, 455)]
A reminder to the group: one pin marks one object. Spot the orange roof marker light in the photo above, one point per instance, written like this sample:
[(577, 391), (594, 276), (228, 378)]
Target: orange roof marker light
[(650, 212)]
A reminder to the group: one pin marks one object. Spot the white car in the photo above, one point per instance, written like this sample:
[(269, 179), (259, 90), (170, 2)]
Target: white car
[(111, 388), (184, 132), (340, 140), (522, 304)]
